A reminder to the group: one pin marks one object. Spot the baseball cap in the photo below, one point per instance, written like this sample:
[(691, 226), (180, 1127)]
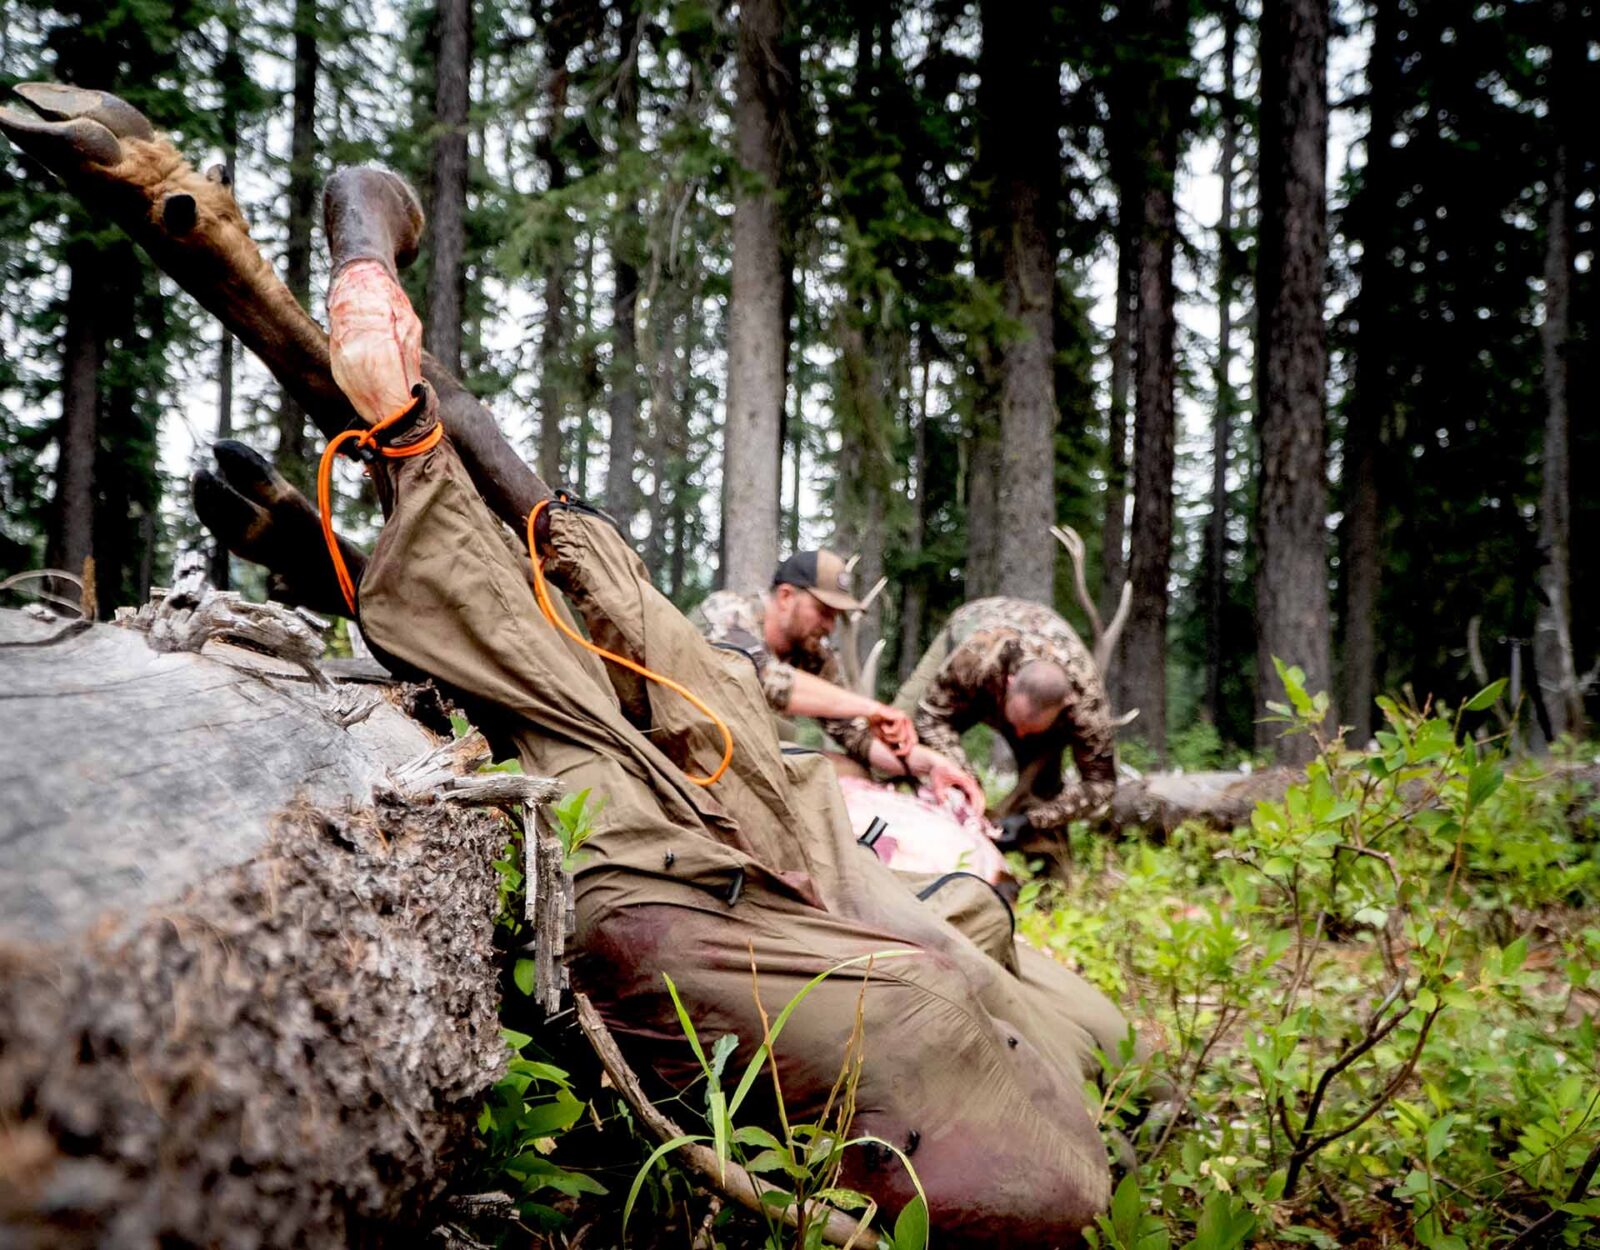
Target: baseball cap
[(822, 573)]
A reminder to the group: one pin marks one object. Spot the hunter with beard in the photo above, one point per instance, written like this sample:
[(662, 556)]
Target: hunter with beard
[(785, 631)]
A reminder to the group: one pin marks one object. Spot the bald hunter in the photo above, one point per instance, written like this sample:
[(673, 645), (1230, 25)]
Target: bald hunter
[(1019, 668), (785, 631)]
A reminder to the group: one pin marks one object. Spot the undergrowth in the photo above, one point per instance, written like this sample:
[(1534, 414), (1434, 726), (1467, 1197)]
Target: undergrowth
[(1373, 1009), (1376, 1004)]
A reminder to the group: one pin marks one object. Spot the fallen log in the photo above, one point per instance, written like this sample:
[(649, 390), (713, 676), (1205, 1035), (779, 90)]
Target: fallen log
[(249, 994), (1160, 802)]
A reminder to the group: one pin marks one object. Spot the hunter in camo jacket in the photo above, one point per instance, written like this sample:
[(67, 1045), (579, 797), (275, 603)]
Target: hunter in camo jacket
[(962, 681), (728, 618)]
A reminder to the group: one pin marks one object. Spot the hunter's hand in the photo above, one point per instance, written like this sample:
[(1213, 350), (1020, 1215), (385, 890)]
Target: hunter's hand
[(892, 727), (945, 776)]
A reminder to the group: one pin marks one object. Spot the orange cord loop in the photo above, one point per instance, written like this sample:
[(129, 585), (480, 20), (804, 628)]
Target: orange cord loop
[(542, 594), (363, 438)]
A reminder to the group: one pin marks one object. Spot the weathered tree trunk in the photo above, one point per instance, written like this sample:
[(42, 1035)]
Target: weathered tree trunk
[(756, 331), (291, 458), (862, 470), (1373, 398), (1292, 574), (250, 992), (1552, 638), (1018, 106), (1144, 646), (1215, 592), (447, 216)]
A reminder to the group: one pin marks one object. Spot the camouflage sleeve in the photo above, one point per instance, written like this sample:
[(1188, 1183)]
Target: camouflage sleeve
[(947, 708), (853, 734), (777, 680), (727, 619), (1093, 742)]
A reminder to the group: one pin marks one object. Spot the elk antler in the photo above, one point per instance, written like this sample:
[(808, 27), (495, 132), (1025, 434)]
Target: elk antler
[(1102, 638), (861, 675), (113, 160)]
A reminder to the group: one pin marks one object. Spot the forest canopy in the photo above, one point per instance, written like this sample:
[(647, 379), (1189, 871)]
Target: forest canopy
[(958, 271)]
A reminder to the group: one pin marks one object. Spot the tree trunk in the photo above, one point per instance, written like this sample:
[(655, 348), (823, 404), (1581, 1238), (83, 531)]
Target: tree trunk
[(553, 331), (914, 599), (1018, 107), (292, 458), (71, 537), (862, 469), (1216, 552), (983, 510), (230, 74), (1113, 567), (1552, 638), (1144, 647), (1292, 575), (1373, 399), (756, 330), (622, 404), (447, 224), (208, 952)]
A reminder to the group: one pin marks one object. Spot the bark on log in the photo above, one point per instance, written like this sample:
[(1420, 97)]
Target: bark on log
[(243, 1001), (1160, 802)]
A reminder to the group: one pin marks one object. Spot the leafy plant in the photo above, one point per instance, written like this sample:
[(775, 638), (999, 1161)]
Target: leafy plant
[(1377, 1001), (519, 1122), (802, 1166)]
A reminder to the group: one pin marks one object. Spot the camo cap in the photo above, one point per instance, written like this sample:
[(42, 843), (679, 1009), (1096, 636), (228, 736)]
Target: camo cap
[(824, 574)]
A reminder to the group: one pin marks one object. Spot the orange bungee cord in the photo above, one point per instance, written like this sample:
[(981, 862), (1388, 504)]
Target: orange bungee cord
[(542, 594), (363, 438)]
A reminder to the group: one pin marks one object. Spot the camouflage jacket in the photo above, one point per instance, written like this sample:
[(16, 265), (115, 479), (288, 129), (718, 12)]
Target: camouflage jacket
[(730, 619), (990, 639)]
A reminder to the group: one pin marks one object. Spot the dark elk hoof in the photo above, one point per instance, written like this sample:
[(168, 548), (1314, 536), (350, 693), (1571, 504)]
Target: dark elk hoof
[(257, 514), (71, 126), (371, 214)]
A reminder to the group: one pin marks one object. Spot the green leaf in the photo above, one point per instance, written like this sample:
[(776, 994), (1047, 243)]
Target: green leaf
[(1483, 781), (844, 1199), (514, 1039), (911, 1225), (720, 1050), (753, 1135), (522, 973), (1438, 1134), (664, 1149), (551, 1117), (1486, 697)]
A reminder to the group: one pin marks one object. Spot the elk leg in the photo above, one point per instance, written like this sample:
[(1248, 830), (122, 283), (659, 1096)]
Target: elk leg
[(372, 215), (260, 517), (123, 170)]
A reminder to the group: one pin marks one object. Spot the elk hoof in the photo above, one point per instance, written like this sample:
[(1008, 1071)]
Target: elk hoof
[(62, 103)]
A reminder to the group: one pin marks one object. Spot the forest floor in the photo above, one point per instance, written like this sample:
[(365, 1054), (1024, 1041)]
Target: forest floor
[(1376, 1004)]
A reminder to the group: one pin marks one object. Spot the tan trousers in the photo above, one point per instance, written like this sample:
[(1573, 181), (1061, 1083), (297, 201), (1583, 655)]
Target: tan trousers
[(974, 1068)]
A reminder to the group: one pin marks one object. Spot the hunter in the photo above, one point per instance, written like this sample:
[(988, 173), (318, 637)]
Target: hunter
[(1019, 668), (785, 631)]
